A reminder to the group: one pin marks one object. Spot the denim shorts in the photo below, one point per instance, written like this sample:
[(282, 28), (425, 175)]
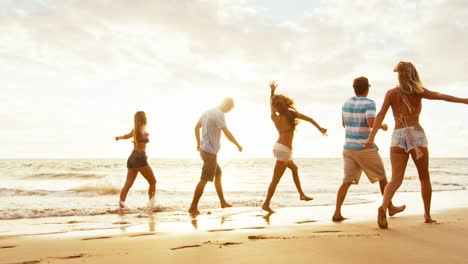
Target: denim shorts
[(137, 159)]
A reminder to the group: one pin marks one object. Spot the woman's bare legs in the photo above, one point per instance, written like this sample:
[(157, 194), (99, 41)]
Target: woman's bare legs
[(131, 176), (293, 167), (147, 172), (422, 165), (399, 160), (278, 172)]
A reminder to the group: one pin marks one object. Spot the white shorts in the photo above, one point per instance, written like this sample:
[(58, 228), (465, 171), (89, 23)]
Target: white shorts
[(282, 153), (401, 138)]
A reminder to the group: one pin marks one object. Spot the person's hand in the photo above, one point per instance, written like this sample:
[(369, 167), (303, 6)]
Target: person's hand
[(273, 86), (117, 138), (198, 147), (323, 131), (369, 143), (384, 127), (239, 147)]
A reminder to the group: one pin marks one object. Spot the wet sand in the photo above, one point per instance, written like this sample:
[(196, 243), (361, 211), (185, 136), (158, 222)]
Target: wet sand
[(248, 235)]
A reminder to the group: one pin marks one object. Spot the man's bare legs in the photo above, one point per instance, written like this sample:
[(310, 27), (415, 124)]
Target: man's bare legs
[(422, 165), (193, 210), (293, 167), (219, 191), (340, 197), (278, 172)]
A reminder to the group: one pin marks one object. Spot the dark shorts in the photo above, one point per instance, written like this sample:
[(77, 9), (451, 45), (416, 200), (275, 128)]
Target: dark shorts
[(210, 166), (137, 159)]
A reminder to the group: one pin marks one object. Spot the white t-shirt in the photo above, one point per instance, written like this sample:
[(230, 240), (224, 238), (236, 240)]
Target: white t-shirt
[(212, 122)]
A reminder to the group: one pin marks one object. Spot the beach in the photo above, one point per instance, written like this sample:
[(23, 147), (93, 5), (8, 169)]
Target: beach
[(248, 235), (56, 211), (228, 131)]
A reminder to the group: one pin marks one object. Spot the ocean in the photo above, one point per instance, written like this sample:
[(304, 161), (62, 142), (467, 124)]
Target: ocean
[(43, 188)]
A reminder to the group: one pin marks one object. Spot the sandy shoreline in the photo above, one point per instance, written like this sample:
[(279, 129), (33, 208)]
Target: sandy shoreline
[(301, 235)]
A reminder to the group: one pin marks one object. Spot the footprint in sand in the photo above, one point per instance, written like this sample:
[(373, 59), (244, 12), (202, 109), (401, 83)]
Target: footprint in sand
[(189, 246), (253, 227), (5, 247), (306, 221), (229, 243), (121, 223), (221, 230), (29, 262), (326, 231), (69, 257), (144, 234), (93, 238), (209, 243), (255, 237), (360, 235)]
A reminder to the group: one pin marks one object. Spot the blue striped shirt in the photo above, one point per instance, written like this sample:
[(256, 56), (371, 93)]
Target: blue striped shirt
[(355, 113)]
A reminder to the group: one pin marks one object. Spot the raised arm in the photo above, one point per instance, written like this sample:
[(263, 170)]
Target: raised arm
[(378, 122), (231, 138), (126, 136), (312, 121), (197, 133), (444, 97), (273, 86)]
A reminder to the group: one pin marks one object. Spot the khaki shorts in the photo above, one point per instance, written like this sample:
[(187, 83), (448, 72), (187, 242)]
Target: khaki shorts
[(367, 160), (210, 166)]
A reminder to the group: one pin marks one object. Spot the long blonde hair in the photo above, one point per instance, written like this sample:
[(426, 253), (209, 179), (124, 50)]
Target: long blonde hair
[(139, 123), (408, 78)]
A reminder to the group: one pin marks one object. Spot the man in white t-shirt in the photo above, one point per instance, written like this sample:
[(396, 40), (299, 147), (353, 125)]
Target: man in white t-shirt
[(212, 122)]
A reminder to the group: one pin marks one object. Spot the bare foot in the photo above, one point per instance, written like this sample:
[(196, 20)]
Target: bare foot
[(382, 218), (429, 220), (396, 209), (225, 205), (193, 211), (338, 218), (305, 198), (268, 209)]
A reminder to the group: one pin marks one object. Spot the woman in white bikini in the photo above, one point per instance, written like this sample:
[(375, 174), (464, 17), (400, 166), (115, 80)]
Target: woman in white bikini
[(408, 136), (285, 117)]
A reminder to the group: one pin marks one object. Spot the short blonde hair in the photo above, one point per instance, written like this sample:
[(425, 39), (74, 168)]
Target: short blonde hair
[(228, 102)]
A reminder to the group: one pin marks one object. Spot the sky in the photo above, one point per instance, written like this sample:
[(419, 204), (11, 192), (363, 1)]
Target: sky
[(73, 73)]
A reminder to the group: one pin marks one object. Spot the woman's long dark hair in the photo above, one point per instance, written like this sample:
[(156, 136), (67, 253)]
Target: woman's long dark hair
[(285, 106), (139, 122)]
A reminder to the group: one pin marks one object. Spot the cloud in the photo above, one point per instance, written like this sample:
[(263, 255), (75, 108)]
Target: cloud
[(103, 51)]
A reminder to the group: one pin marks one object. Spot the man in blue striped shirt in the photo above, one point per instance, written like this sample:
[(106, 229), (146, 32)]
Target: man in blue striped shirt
[(358, 115)]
